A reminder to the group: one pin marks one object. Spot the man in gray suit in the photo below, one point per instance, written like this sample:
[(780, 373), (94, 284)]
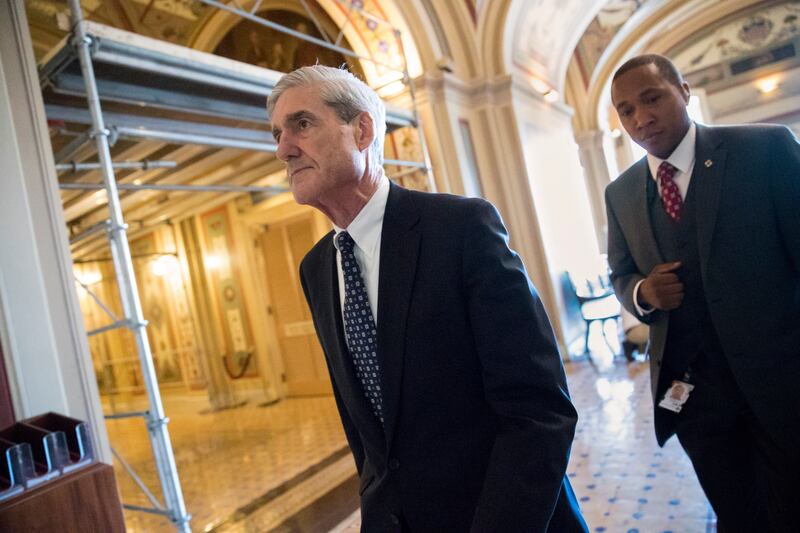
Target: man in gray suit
[(704, 246)]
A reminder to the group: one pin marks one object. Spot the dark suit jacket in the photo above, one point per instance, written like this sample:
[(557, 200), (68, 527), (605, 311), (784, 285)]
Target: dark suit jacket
[(747, 185), (478, 420)]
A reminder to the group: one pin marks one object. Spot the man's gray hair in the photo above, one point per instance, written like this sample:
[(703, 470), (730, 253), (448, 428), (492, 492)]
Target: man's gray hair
[(344, 93)]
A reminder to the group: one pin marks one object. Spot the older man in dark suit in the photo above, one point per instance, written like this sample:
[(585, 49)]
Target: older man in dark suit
[(704, 246), (444, 367)]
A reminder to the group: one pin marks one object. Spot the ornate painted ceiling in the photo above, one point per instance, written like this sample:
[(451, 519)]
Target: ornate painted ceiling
[(601, 31), (543, 49), (365, 22), (739, 37), (539, 42), (170, 20)]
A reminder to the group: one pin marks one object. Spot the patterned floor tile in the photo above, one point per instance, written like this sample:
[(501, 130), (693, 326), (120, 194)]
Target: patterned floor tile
[(622, 479), (229, 459)]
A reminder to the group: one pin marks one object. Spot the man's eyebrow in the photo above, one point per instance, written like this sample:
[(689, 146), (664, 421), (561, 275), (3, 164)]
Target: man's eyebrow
[(293, 118), (640, 94), (297, 115)]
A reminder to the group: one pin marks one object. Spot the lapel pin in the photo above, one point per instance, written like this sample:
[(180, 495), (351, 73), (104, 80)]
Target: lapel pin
[(708, 163)]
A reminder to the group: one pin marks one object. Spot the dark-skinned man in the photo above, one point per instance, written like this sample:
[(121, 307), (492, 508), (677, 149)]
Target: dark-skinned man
[(704, 246)]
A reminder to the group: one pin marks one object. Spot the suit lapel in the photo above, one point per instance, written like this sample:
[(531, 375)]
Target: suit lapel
[(341, 363), (398, 261), (641, 208), (707, 176)]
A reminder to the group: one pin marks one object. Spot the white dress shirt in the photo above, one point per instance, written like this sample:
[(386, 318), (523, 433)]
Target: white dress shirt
[(365, 230), (682, 158)]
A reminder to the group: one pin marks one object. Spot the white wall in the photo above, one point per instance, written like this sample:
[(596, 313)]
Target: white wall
[(559, 193), (41, 329)]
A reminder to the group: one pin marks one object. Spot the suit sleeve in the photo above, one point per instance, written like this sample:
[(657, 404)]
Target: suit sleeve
[(624, 272), (353, 437), (524, 383), (785, 191)]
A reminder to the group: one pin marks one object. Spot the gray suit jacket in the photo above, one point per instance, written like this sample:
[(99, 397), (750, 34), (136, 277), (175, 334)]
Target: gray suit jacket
[(747, 185)]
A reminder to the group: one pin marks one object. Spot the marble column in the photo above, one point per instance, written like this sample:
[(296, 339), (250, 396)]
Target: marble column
[(595, 168)]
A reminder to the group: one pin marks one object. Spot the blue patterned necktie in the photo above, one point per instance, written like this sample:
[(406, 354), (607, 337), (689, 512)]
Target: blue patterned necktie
[(359, 326)]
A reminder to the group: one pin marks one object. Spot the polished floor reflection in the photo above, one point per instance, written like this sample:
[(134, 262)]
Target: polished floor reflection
[(251, 469), (245, 469), (624, 481)]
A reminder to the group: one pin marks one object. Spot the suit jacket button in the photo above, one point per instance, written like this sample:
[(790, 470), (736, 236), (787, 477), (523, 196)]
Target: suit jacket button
[(395, 519), (394, 464)]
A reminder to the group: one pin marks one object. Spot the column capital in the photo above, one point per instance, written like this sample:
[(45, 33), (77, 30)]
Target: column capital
[(589, 139)]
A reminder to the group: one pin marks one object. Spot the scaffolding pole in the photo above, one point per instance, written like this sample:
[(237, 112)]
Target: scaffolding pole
[(74, 166), (123, 264)]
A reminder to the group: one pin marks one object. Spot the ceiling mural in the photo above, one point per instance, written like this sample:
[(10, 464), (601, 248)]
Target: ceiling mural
[(370, 34), (745, 35), (168, 20), (538, 40), (365, 22), (601, 31), (258, 45)]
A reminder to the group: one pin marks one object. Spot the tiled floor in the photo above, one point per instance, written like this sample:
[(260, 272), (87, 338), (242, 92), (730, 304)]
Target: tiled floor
[(624, 481), (231, 460), (247, 469)]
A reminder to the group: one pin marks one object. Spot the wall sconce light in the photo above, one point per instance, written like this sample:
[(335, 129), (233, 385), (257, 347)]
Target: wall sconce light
[(166, 265), (539, 86), (767, 85), (212, 261)]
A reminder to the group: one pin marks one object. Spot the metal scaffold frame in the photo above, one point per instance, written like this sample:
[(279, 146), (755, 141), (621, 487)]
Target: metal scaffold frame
[(156, 420), (85, 47)]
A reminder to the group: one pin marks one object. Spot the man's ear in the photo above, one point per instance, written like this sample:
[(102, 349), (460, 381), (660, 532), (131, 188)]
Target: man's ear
[(686, 92), (364, 130)]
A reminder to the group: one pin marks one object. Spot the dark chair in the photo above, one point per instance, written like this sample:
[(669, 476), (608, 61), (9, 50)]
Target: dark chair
[(596, 303)]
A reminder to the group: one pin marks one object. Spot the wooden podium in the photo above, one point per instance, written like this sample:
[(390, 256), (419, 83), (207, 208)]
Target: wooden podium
[(85, 501)]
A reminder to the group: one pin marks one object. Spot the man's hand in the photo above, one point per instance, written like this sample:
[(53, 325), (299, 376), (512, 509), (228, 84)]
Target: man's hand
[(662, 288)]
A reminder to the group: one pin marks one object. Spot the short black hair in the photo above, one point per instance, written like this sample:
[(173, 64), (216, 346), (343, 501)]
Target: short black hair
[(666, 68)]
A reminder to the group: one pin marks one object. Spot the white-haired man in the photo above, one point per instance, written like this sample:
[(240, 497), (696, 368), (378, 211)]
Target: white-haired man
[(444, 367)]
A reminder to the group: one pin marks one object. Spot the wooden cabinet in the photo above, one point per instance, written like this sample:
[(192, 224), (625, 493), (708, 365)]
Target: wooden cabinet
[(85, 501)]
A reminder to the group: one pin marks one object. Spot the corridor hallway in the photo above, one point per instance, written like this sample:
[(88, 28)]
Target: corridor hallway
[(258, 469)]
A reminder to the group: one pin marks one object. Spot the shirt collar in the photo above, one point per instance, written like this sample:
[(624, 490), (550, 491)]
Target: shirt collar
[(682, 157), (365, 229)]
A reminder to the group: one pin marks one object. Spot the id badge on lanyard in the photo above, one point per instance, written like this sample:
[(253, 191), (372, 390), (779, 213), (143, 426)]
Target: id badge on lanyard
[(677, 394)]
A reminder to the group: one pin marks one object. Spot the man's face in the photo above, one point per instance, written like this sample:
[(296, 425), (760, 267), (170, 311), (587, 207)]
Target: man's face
[(323, 159), (652, 110)]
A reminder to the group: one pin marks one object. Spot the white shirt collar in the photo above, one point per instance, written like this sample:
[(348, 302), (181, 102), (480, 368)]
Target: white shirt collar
[(682, 157), (365, 229)]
